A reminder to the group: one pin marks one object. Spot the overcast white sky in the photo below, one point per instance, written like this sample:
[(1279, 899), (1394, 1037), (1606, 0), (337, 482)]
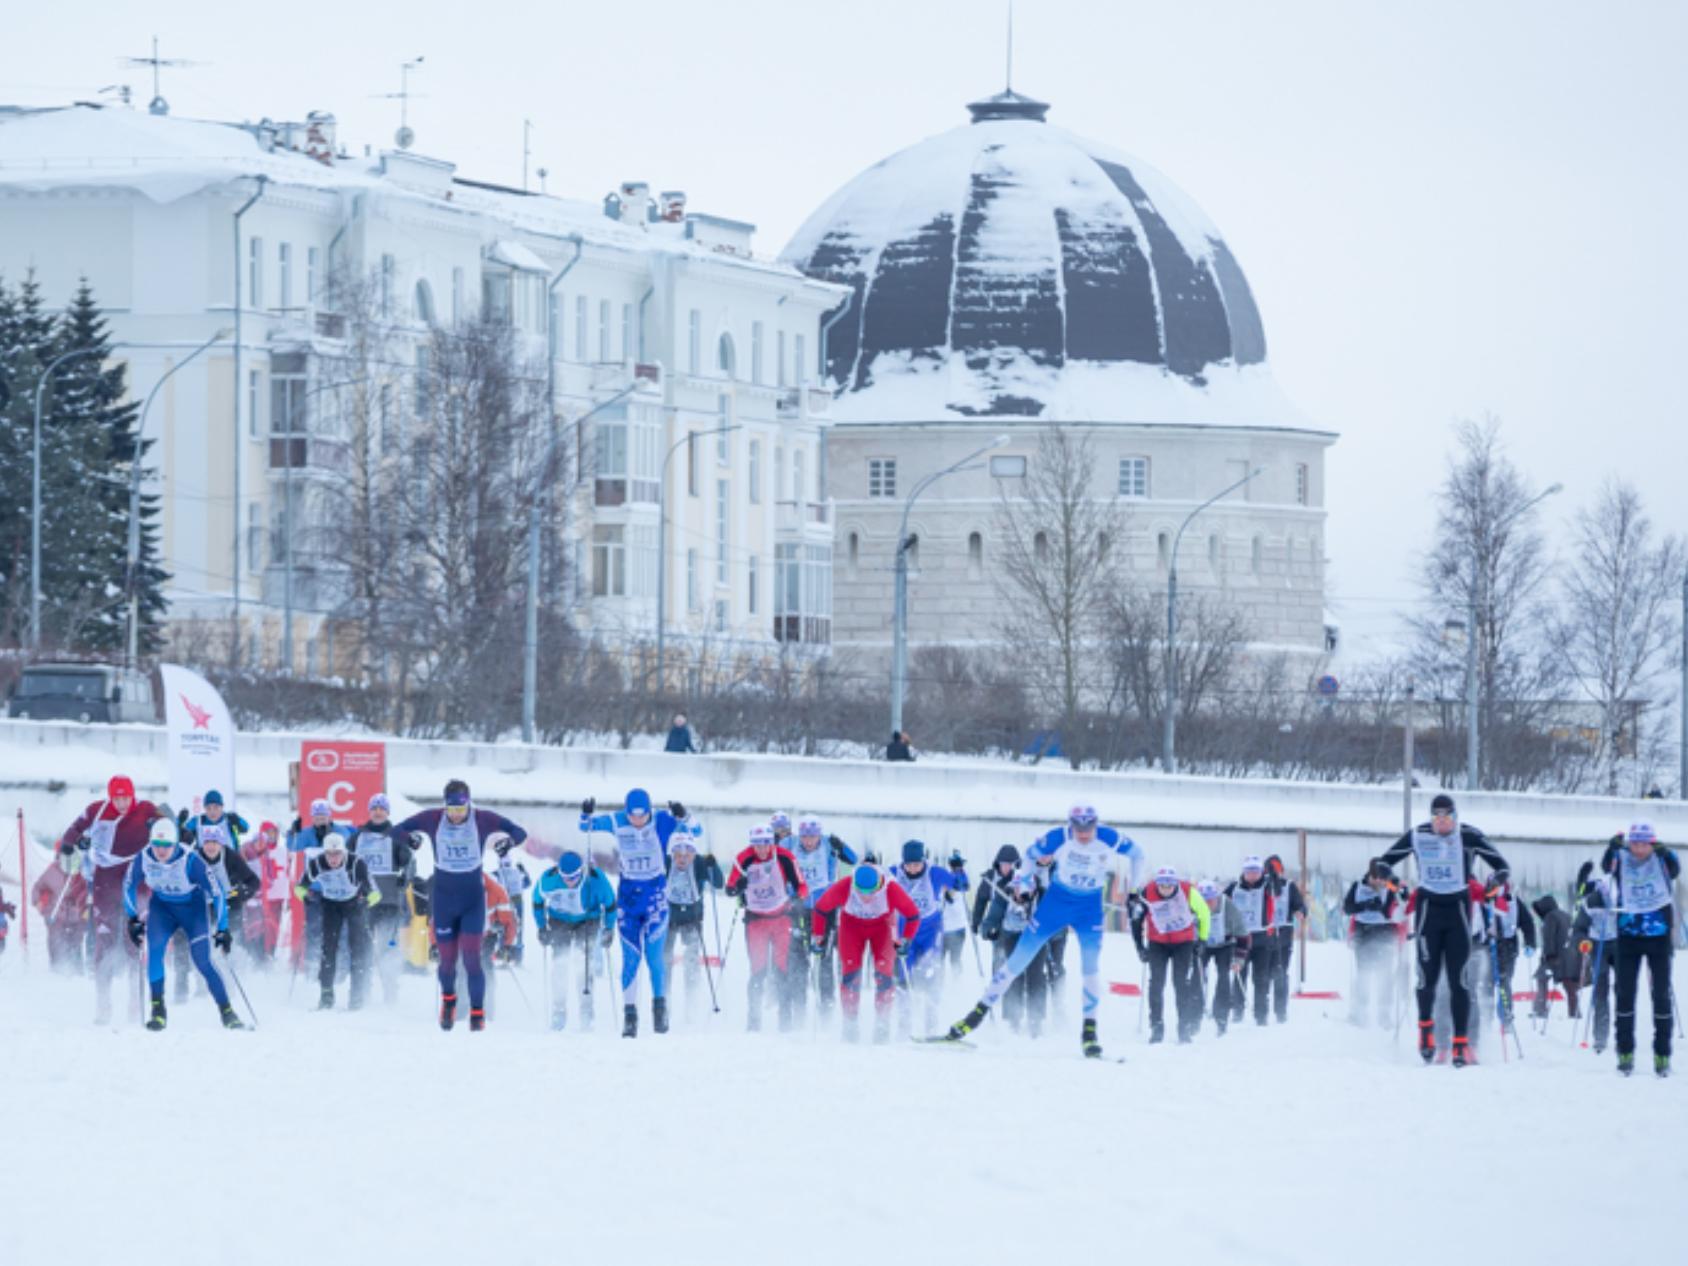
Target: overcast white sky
[(1446, 207)]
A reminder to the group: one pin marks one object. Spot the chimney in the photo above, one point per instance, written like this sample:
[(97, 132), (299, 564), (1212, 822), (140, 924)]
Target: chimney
[(673, 205), (635, 201)]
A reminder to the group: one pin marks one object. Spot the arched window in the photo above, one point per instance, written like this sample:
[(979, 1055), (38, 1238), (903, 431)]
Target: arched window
[(1040, 547), (424, 302), (975, 553), (1255, 551), (725, 358), (855, 550)]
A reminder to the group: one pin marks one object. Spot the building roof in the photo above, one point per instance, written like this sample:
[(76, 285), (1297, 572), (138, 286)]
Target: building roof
[(1009, 268), (166, 158)]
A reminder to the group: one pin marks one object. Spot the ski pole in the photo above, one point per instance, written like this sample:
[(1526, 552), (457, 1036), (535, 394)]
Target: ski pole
[(1594, 991), (510, 969), (228, 962), (726, 947), (714, 1002)]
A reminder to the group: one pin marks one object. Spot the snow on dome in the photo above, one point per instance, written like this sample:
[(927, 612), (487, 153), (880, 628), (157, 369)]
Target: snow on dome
[(1010, 268)]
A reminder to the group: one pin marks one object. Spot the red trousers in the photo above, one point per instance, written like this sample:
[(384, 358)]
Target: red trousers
[(768, 936), (855, 937)]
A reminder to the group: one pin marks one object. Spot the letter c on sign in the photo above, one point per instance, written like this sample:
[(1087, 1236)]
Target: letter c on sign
[(340, 797)]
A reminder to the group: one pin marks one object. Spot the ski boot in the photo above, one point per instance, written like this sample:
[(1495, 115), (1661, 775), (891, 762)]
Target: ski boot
[(448, 1010), (1087, 1040), (326, 1001), (630, 1021), (1157, 1034), (1463, 1053), (155, 1022), (559, 1020), (1661, 1065), (1626, 1063), (1219, 1024), (1427, 1041), (659, 1015), (231, 1019), (972, 1020), (477, 1019)]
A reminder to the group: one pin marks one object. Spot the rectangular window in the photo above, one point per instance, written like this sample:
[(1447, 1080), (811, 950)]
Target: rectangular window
[(800, 359), (628, 350), (310, 276), (255, 274), (882, 477), (723, 419), (284, 274), (779, 359), (797, 489), (422, 384), (691, 580), (722, 506), (610, 457), (752, 578), (389, 279), (691, 463), (694, 342), (720, 615), (254, 536), (603, 329), (1134, 476), (609, 562), (495, 298), (254, 385), (287, 396), (580, 309), (1301, 483), (385, 436), (756, 353), (755, 472), (456, 297), (642, 561), (803, 593)]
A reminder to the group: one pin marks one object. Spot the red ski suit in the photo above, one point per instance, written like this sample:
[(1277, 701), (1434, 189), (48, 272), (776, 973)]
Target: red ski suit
[(769, 885), (865, 921), (115, 841)]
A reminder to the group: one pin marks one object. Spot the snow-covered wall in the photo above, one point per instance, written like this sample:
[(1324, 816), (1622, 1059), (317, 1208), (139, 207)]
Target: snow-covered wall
[(1204, 824)]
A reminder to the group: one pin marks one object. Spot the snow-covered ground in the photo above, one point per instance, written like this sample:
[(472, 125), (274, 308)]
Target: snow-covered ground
[(373, 1137)]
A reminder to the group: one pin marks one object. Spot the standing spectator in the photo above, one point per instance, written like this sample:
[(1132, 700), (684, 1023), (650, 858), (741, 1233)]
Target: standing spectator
[(680, 736), (898, 748)]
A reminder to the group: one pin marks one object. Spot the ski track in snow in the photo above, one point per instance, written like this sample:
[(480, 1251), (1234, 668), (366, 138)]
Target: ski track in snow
[(374, 1137)]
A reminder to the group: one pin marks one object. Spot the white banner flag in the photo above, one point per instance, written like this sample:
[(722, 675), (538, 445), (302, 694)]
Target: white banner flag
[(201, 739)]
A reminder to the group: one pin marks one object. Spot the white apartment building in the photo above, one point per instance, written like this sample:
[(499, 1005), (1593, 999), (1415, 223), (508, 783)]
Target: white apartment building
[(187, 228)]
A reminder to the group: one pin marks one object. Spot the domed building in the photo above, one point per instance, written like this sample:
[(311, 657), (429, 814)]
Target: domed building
[(1007, 276)]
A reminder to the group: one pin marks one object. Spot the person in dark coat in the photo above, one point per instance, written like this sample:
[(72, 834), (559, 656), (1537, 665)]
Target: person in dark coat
[(1561, 962), (899, 747), (680, 736)]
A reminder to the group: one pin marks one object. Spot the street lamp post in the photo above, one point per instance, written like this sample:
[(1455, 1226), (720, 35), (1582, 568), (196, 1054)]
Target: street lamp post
[(1479, 607), (662, 544), (135, 496), (1169, 724), (530, 636), (899, 618)]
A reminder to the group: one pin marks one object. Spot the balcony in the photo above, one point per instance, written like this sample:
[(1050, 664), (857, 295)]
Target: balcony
[(797, 516), (304, 453), (608, 375)]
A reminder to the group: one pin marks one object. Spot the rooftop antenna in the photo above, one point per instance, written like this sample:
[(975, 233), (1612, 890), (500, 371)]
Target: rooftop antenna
[(120, 91), (1008, 81), (158, 105), (542, 174), (527, 132), (404, 137)]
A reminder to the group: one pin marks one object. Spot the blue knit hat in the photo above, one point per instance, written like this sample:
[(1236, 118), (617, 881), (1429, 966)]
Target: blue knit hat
[(913, 851), (639, 801)]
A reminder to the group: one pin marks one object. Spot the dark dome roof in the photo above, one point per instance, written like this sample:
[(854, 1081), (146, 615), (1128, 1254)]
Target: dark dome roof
[(1015, 269)]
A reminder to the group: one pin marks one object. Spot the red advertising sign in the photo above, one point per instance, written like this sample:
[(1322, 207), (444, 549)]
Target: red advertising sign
[(342, 772)]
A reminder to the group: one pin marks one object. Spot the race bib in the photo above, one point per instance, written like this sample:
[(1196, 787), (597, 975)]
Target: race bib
[(1441, 862)]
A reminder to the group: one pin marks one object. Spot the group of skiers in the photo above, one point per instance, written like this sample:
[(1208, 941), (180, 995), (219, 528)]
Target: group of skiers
[(820, 918), (1468, 929)]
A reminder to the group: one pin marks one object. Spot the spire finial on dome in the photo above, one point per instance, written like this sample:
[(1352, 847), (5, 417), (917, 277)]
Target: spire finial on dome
[(1008, 104), (1008, 79)]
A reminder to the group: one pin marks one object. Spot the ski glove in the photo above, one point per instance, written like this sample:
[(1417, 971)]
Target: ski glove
[(503, 847), (137, 929), (677, 810), (374, 898), (82, 844), (543, 933), (301, 892), (902, 949), (817, 944), (606, 938), (1142, 950), (223, 940), (588, 807)]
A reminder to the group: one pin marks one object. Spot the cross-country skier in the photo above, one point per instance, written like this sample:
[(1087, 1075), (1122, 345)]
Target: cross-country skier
[(955, 910), (1001, 916), (1644, 874), (1595, 928), (1508, 918), (573, 913), (1255, 898), (642, 843), (1225, 933), (924, 953), (1169, 920), (819, 857), (182, 893), (1072, 862), (111, 833), (387, 855), (514, 879), (690, 877), (869, 905), (1374, 911), (1288, 906), (1445, 850), (213, 821), (342, 884), (770, 887), (457, 897), (307, 840), (228, 870), (500, 935)]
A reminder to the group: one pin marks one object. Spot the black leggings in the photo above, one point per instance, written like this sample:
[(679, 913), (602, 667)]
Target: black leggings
[(1444, 940), (1632, 952)]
